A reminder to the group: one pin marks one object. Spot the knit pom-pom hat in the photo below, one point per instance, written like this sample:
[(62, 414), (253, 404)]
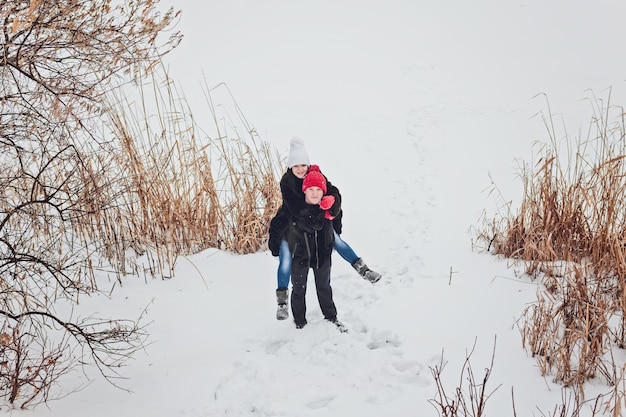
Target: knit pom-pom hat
[(297, 153), (314, 178)]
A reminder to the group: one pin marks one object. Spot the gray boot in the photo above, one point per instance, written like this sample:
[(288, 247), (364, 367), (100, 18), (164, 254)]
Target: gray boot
[(282, 312), (363, 270)]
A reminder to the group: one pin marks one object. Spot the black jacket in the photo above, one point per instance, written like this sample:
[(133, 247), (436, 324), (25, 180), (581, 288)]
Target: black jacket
[(311, 239), (295, 207)]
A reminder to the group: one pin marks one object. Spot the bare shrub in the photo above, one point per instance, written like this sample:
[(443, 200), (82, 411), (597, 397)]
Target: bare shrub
[(59, 60), (22, 375), (470, 396), (37, 348), (86, 179)]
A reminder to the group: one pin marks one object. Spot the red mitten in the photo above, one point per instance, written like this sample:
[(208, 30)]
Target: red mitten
[(327, 202), (328, 215)]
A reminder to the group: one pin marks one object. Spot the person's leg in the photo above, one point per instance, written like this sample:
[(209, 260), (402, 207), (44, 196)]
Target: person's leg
[(325, 292), (325, 296), (284, 272), (284, 266), (344, 250), (299, 275)]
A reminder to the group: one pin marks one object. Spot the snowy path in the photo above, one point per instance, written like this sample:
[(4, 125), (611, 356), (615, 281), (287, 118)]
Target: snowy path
[(317, 371)]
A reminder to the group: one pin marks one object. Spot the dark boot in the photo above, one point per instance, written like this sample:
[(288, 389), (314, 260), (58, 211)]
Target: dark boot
[(282, 311), (342, 328), (363, 270)]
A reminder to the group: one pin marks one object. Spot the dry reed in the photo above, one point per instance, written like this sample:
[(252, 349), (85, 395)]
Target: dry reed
[(569, 231), (177, 193)]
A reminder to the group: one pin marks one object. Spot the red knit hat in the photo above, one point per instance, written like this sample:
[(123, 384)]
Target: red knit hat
[(314, 178)]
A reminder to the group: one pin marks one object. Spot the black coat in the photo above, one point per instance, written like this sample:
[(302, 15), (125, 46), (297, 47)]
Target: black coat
[(295, 207), (311, 239)]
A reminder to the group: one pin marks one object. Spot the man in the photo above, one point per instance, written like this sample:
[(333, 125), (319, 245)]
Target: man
[(311, 240)]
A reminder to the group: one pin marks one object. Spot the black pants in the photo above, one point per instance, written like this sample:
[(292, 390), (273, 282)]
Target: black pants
[(299, 274)]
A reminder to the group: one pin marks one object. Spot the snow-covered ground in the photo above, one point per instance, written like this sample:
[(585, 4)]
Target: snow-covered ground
[(410, 108)]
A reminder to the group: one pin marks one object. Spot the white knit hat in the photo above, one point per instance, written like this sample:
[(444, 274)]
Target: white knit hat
[(297, 153)]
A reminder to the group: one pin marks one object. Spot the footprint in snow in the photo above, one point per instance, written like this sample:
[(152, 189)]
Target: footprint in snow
[(383, 339), (274, 346), (320, 402), (409, 372)]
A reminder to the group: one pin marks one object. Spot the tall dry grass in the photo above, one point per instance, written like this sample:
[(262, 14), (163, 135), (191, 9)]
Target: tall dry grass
[(74, 201), (174, 190), (570, 232)]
